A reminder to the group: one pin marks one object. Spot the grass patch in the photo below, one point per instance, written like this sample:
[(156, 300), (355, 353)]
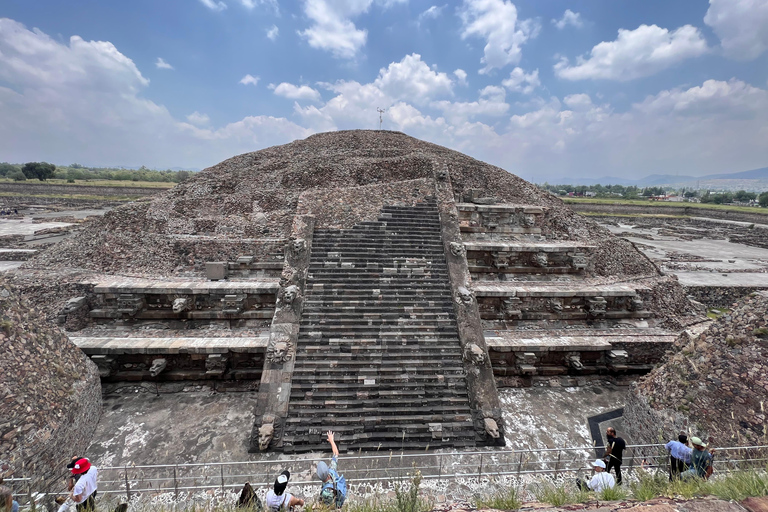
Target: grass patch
[(503, 499), (716, 313), (649, 486), (73, 196), (97, 183), (614, 493), (659, 204), (559, 495), (740, 485)]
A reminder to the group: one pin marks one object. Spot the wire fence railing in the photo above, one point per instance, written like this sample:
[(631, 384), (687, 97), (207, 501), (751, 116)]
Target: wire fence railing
[(129, 481)]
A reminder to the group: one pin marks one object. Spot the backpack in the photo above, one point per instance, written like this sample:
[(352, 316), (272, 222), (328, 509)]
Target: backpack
[(335, 491)]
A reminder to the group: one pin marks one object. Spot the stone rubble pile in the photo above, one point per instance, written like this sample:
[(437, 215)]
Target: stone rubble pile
[(715, 386)]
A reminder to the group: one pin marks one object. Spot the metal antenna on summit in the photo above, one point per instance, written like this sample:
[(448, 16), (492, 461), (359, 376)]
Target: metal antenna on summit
[(380, 111)]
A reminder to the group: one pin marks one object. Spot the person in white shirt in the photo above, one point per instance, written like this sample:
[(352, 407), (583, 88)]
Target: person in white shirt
[(277, 500), (84, 492), (600, 480)]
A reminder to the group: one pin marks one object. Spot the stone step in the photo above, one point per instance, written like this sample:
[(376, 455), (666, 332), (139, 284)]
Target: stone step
[(385, 318), (372, 348), (364, 363), (569, 289), (397, 420), (387, 397), (363, 310), (386, 303), (294, 446)]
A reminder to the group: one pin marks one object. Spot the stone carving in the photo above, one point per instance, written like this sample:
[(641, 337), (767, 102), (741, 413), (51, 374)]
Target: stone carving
[(636, 304), (181, 304), (216, 364), (475, 355), (232, 304), (130, 304), (555, 306), (290, 294), (597, 307), (279, 350), (158, 365), (107, 365), (266, 433), (529, 220), (574, 361), (491, 428), (297, 247), (466, 297), (580, 261), (510, 308), (457, 249), (500, 259), (540, 259), (442, 175), (437, 430)]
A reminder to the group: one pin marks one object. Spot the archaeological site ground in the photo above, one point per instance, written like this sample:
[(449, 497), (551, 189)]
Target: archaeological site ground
[(406, 296)]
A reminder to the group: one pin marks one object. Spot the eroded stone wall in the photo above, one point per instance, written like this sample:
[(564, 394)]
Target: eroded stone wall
[(51, 394)]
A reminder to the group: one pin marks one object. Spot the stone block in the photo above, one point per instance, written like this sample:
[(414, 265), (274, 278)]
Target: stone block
[(216, 270)]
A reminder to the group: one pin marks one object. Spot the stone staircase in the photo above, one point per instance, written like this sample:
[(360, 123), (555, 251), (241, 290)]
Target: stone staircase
[(378, 357)]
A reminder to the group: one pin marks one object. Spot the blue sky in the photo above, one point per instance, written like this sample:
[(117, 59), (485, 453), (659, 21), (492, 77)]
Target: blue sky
[(545, 89)]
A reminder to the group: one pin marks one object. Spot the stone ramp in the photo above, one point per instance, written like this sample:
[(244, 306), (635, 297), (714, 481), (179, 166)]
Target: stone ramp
[(378, 358)]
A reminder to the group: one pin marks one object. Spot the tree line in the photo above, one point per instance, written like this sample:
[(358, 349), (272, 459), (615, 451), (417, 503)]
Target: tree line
[(634, 192), (43, 171)]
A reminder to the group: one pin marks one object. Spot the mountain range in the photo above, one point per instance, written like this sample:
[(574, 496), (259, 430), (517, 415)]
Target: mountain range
[(755, 178)]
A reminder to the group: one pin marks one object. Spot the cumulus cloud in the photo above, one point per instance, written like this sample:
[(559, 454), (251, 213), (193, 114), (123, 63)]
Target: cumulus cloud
[(635, 53), (272, 32), (490, 103), (214, 5), (251, 4), (249, 80), (519, 81), (161, 64), (333, 29), (496, 21), (198, 119), (569, 18), (741, 25), (411, 79), (80, 100), (295, 92), (461, 76)]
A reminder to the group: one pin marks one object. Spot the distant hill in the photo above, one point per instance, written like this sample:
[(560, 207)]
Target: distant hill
[(758, 178)]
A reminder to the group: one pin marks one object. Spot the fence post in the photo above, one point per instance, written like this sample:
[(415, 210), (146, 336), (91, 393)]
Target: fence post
[(519, 466), (557, 463), (440, 468), (175, 483), (221, 468), (480, 471), (127, 484)]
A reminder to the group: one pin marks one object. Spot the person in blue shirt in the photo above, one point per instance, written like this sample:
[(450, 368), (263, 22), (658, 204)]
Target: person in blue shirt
[(679, 456), (334, 487)]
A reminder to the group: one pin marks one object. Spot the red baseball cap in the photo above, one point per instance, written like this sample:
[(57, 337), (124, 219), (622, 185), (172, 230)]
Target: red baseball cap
[(80, 466)]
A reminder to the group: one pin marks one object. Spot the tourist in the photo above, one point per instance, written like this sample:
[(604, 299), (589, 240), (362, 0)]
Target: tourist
[(84, 491), (277, 499), (334, 488), (600, 480), (7, 503), (679, 456), (614, 452), (701, 461)]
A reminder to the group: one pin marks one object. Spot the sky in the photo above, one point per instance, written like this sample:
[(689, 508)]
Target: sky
[(545, 89)]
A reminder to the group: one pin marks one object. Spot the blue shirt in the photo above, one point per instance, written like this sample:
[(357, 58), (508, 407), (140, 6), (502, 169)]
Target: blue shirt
[(679, 451)]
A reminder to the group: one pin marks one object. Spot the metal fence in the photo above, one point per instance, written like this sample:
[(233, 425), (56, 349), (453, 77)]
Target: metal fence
[(382, 468)]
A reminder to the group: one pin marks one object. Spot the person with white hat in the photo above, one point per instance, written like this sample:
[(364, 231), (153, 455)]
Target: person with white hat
[(277, 499), (600, 480), (701, 461)]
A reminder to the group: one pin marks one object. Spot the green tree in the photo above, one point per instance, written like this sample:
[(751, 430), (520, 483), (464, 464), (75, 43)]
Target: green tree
[(743, 196), (6, 168), (17, 175), (762, 199), (40, 170)]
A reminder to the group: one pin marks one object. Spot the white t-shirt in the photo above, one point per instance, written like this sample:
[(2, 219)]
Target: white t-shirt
[(601, 481), (86, 485), (274, 502)]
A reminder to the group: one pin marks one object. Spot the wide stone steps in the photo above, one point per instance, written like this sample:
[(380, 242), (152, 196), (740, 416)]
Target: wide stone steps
[(378, 357)]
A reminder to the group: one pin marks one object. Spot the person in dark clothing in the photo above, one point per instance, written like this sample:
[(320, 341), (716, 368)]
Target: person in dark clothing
[(614, 452), (679, 456)]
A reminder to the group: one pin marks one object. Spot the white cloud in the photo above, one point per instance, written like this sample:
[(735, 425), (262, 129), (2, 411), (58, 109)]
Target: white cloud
[(272, 32), (519, 81), (83, 101), (432, 13), (490, 103), (295, 92), (733, 99), (569, 18), (332, 28), (251, 4), (412, 80), (214, 5), (578, 101), (198, 119), (461, 77), (249, 80), (496, 21), (636, 53), (161, 64), (741, 25)]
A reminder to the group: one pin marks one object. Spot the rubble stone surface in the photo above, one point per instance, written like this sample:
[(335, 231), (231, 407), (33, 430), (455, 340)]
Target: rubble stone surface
[(715, 386), (51, 394)]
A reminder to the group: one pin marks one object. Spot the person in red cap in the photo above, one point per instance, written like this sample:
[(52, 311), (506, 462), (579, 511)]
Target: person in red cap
[(84, 491)]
